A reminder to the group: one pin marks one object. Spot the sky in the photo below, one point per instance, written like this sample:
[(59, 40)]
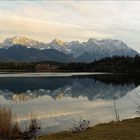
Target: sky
[(71, 20)]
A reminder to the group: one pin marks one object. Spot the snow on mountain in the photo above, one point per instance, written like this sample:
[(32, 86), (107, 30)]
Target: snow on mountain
[(57, 42), (76, 48), (97, 49), (58, 45), (83, 52), (22, 41)]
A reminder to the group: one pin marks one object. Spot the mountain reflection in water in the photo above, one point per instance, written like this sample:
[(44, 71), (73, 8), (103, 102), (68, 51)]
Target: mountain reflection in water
[(57, 100)]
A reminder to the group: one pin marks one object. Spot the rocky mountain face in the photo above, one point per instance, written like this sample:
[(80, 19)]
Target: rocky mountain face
[(22, 41), (24, 54), (24, 49)]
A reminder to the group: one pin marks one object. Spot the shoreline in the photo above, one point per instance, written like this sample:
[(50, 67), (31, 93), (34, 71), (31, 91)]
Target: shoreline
[(50, 74), (122, 130)]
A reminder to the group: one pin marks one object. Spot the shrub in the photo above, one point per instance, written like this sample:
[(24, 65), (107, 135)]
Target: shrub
[(82, 125)]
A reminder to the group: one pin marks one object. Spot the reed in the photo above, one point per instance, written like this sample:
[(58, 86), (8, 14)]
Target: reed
[(6, 121), (10, 129)]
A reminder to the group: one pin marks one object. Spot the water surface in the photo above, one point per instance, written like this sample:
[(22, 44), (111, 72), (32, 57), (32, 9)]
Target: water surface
[(58, 100)]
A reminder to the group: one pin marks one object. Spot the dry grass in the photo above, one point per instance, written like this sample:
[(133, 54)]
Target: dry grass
[(6, 121), (10, 129), (121, 130)]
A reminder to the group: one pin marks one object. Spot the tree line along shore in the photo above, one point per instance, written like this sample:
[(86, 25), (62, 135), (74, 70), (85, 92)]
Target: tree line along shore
[(115, 64)]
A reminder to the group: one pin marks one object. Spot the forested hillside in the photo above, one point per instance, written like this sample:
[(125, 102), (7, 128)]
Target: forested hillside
[(116, 64)]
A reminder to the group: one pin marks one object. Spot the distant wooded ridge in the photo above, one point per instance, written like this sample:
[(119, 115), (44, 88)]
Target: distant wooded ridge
[(115, 64)]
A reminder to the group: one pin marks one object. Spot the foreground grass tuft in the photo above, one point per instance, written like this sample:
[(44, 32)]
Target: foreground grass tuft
[(10, 129)]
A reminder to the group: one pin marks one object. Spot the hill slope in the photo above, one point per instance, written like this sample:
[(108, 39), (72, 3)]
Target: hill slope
[(24, 54)]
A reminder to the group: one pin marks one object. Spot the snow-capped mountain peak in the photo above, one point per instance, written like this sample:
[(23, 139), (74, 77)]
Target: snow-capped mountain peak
[(57, 41), (19, 40), (58, 45), (89, 51)]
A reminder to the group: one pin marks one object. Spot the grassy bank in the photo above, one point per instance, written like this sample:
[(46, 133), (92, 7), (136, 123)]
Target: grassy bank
[(123, 130)]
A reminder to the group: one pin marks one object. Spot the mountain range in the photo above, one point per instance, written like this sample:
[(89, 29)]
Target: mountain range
[(24, 49)]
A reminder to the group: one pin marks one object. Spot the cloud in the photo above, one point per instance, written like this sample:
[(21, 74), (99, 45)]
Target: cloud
[(46, 30), (71, 20)]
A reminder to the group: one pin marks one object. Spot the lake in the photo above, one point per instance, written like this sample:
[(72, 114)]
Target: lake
[(59, 99)]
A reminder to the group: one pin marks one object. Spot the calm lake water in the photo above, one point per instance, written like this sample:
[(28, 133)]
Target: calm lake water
[(58, 99)]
